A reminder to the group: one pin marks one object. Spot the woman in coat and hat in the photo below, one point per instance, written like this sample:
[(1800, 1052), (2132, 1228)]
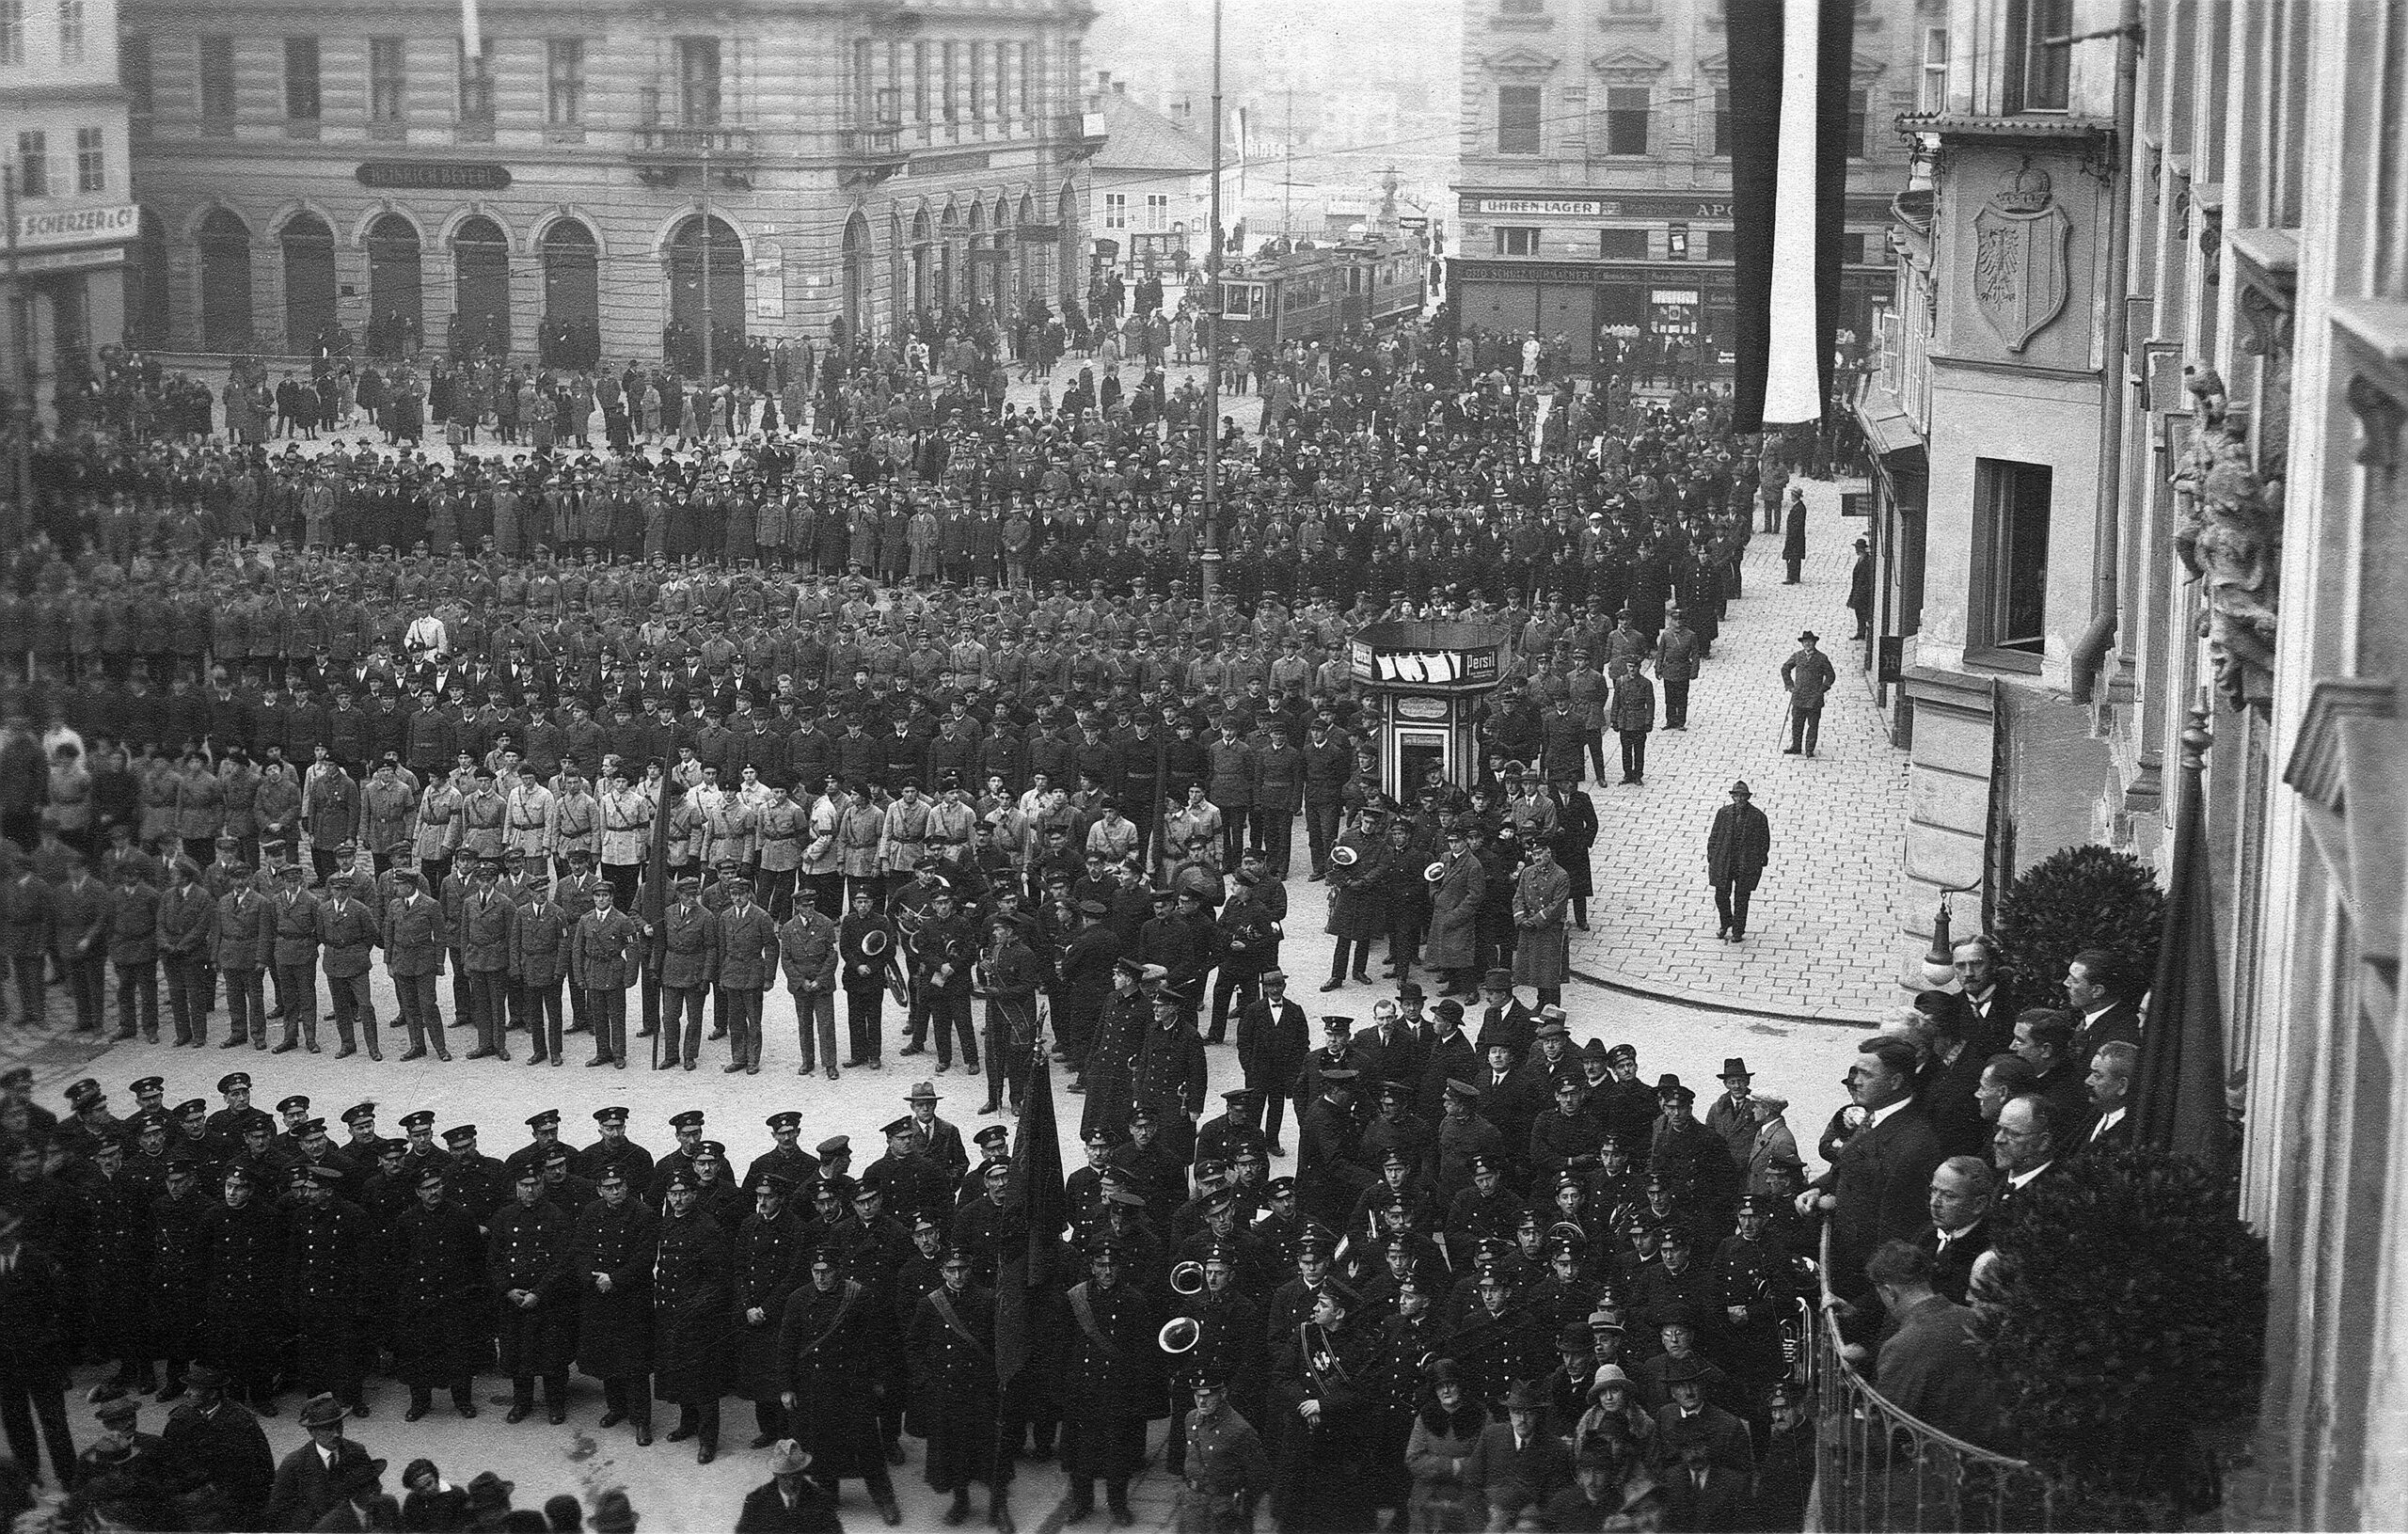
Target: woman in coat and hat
[(1446, 1425)]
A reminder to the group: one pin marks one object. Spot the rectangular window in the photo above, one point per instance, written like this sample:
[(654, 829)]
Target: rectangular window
[(388, 80), (565, 82), (2038, 63), (1852, 249), (1516, 241), (1115, 210), (1859, 109), (1721, 124), (91, 160), (301, 79), (32, 165), (698, 82), (1027, 78), (1157, 210), (1931, 94), (919, 82), (1627, 115), (1517, 119), (70, 31), (134, 72), (977, 81), (217, 81), (475, 106), (952, 100), (1003, 80), (12, 32), (1721, 244), (1622, 244), (2014, 502), (1521, 7)]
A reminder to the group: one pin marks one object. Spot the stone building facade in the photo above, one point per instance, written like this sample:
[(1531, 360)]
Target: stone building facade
[(598, 165)]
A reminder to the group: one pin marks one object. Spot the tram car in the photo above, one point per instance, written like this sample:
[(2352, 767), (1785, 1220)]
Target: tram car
[(1313, 293)]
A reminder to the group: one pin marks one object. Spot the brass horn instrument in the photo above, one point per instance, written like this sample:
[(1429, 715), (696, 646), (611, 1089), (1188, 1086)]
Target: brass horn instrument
[(1187, 1278), (1180, 1334)]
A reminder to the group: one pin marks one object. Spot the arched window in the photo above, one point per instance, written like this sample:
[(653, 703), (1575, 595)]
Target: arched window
[(857, 255)]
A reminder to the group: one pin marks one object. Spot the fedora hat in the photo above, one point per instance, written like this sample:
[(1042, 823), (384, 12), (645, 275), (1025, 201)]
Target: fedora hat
[(788, 1458)]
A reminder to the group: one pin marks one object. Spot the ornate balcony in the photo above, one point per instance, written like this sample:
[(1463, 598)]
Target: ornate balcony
[(870, 153), (664, 154)]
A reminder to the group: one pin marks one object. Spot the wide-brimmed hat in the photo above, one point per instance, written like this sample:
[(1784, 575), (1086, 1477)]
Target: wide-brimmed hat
[(788, 1458)]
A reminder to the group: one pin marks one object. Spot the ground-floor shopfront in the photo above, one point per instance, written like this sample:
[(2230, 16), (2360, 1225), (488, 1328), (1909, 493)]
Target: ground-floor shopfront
[(69, 300)]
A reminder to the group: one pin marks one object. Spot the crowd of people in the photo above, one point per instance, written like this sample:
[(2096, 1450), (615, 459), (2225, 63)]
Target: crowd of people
[(912, 698)]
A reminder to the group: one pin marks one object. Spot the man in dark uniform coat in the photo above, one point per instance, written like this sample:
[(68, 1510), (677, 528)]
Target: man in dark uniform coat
[(690, 1316), (614, 1149), (766, 1260), (828, 1346), (785, 1158), (611, 1257), (1108, 1367), (327, 1246), (1329, 1178), (527, 1257), (950, 1343), (242, 1247), (1273, 1038), (442, 1337)]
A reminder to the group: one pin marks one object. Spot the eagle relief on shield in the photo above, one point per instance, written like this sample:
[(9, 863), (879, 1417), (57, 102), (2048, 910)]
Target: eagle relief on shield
[(2019, 274)]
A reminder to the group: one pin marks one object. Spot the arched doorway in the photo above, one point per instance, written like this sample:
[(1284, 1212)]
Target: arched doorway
[(480, 288), (225, 243), (309, 247), (1025, 262), (921, 256), (396, 299), (1065, 251), (572, 322), (149, 315), (726, 299), (856, 258), (978, 281)]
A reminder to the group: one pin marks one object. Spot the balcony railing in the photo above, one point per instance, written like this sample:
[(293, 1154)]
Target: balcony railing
[(1879, 1469), (660, 140), (878, 141)]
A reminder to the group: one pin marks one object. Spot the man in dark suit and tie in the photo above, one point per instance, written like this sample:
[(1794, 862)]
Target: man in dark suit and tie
[(1947, 1091), (1515, 1466), (1985, 994), (1962, 1191), (2045, 1040), (2110, 1097), (2025, 1146), (2100, 992), (1878, 1186)]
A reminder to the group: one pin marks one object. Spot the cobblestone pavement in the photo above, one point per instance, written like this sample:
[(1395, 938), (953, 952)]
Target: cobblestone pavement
[(1819, 924)]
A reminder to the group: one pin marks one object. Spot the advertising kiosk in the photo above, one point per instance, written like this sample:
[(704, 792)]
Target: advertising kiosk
[(1421, 679)]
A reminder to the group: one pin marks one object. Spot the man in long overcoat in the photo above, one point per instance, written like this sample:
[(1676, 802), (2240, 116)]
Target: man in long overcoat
[(690, 1316), (443, 1331), (1542, 900), (828, 1350), (610, 1263), (527, 1257), (1452, 948), (1737, 850)]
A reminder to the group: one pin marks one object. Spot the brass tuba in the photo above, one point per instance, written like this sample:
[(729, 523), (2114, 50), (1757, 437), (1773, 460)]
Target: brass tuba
[(1180, 1334), (1187, 1278)]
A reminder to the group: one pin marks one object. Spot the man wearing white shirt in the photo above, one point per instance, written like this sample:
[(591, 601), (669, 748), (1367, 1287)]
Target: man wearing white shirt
[(425, 637), (2110, 1090), (2024, 1144)]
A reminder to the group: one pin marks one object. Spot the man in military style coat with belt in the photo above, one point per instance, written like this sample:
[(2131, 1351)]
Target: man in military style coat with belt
[(603, 962), (950, 1343), (611, 1259), (1109, 1372), (828, 1347)]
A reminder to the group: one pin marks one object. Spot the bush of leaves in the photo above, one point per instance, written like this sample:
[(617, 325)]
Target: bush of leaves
[(2079, 897)]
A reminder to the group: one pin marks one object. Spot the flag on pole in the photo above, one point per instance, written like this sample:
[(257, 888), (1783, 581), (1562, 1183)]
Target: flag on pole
[(1033, 1193), (1790, 63), (2178, 1086)]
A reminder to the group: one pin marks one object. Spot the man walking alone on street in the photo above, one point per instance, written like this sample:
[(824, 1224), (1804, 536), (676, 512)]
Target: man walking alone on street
[(1737, 850)]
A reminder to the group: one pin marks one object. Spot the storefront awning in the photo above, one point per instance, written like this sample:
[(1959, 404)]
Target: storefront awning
[(1897, 445)]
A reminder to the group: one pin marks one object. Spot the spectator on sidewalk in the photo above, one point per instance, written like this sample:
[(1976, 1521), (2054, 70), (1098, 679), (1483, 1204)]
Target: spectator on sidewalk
[(1793, 535), (1809, 678)]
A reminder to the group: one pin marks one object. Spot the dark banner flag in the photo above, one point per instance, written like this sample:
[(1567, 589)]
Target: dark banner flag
[(2179, 1087), (1790, 63), (1024, 1274)]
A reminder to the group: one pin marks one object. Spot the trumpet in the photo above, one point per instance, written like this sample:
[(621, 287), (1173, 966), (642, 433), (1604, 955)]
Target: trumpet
[(1180, 1332), (1187, 1278)]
